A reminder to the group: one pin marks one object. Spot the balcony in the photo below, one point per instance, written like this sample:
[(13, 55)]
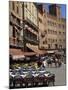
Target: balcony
[(30, 30), (31, 24), (30, 40), (14, 22), (14, 43)]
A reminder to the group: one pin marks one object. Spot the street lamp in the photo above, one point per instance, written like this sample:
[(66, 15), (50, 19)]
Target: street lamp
[(23, 24)]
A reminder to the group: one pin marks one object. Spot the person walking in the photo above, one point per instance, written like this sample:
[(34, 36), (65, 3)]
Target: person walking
[(44, 63)]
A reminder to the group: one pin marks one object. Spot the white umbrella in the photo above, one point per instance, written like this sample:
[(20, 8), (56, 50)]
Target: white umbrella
[(18, 56)]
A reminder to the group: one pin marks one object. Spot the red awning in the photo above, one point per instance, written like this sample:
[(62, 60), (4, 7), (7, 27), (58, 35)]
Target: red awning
[(36, 49), (18, 53)]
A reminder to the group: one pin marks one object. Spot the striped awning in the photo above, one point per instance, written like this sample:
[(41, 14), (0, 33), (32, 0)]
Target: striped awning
[(36, 49)]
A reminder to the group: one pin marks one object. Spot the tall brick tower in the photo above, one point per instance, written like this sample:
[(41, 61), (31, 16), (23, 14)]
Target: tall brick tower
[(55, 10)]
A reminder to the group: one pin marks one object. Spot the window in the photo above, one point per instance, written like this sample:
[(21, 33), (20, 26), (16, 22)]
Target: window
[(26, 5), (48, 30), (28, 15), (49, 39), (45, 32), (44, 15), (33, 10), (60, 40), (56, 40), (53, 32), (18, 21), (63, 26), (56, 46), (63, 33), (12, 17), (13, 5), (53, 40), (49, 23), (17, 9), (42, 34), (59, 32), (54, 24), (13, 32), (60, 46), (56, 32), (45, 42), (40, 20), (48, 45), (25, 13), (59, 25), (18, 36), (63, 40), (10, 32)]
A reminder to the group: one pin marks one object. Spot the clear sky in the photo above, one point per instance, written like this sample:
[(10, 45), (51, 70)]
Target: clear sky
[(63, 9)]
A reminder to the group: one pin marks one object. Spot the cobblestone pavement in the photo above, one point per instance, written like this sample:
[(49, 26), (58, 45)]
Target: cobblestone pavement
[(60, 74)]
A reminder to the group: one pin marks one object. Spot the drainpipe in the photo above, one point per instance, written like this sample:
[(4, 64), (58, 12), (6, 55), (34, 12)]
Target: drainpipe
[(23, 24), (37, 25)]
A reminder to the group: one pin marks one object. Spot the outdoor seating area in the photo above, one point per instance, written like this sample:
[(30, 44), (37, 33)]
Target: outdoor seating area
[(29, 77), (37, 44), (31, 71)]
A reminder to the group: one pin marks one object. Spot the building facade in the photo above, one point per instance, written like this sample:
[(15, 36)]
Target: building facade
[(41, 25), (32, 28), (15, 24), (23, 27), (30, 21), (54, 29)]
